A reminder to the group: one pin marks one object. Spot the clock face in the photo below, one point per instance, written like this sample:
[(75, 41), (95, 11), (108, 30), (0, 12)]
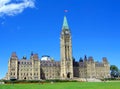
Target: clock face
[(66, 32)]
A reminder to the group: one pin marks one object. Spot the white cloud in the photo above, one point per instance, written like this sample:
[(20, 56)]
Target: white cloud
[(7, 7)]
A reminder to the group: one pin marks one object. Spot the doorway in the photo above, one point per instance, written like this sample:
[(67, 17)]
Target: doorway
[(68, 75)]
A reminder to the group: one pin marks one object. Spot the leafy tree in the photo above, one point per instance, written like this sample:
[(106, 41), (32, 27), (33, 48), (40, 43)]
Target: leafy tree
[(113, 68), (114, 71)]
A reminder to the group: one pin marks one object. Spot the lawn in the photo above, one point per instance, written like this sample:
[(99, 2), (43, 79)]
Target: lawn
[(69, 85)]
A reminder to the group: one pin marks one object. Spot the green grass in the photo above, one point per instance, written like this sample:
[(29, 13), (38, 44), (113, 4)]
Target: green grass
[(68, 85)]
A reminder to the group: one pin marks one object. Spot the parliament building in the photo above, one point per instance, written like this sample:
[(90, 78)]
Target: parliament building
[(47, 68)]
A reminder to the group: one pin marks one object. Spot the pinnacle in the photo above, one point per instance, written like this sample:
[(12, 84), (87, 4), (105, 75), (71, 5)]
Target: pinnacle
[(65, 23)]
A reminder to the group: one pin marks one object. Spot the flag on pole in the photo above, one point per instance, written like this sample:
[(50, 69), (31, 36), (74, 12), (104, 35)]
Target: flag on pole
[(65, 11)]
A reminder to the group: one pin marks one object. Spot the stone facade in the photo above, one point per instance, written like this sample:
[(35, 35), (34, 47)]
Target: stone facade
[(88, 68), (66, 68), (24, 69)]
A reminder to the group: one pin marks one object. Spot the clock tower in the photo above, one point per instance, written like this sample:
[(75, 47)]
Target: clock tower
[(66, 51)]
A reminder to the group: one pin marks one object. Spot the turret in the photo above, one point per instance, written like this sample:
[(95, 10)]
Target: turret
[(35, 67), (13, 66)]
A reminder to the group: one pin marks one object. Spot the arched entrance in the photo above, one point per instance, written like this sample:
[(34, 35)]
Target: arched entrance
[(68, 75), (42, 76), (24, 78)]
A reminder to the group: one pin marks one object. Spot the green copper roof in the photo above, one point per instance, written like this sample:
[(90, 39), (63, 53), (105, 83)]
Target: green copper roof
[(65, 23)]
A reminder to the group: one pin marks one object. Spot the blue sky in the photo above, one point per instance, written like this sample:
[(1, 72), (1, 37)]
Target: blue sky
[(35, 25)]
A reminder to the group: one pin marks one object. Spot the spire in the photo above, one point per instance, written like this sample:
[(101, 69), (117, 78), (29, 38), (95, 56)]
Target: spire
[(65, 23)]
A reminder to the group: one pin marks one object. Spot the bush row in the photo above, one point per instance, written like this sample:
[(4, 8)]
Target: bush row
[(36, 81), (109, 79)]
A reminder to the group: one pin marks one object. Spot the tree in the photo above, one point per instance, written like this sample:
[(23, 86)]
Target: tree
[(113, 67), (114, 71)]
